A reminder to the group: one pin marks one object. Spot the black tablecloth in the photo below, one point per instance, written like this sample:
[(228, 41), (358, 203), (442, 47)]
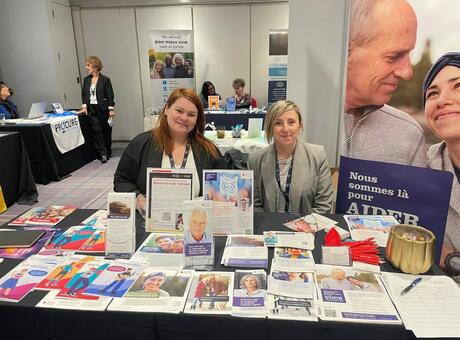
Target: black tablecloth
[(16, 176), (23, 321), (231, 119), (47, 162)]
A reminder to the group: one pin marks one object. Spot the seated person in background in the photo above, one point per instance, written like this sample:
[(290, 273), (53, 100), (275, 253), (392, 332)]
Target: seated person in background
[(290, 175), (7, 107), (177, 142), (441, 95), (243, 99), (207, 89)]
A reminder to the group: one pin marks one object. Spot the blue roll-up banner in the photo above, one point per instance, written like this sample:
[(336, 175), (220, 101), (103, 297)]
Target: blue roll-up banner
[(413, 195)]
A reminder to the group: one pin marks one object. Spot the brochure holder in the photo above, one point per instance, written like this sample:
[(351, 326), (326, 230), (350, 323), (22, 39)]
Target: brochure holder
[(121, 225)]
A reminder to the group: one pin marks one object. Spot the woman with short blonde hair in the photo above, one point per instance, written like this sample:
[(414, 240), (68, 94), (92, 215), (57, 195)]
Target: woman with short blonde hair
[(290, 175)]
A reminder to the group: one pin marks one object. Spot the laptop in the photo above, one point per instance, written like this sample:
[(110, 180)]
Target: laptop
[(37, 110)]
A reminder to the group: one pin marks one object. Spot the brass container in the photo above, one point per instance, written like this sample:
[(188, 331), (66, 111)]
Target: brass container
[(412, 255), (220, 131)]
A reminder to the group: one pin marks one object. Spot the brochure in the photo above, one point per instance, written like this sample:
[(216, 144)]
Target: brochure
[(245, 251), (166, 190), (80, 238), (291, 308), (156, 290), (310, 223), (77, 285), (349, 295), (210, 293), (288, 282), (289, 239), (52, 300), (115, 279), (96, 220), (198, 235), (250, 294), (64, 272), (294, 258), (49, 216), (164, 250), (19, 281), (232, 194), (363, 227)]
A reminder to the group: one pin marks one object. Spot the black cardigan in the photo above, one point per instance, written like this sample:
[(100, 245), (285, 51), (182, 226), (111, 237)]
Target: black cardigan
[(142, 153), (104, 92)]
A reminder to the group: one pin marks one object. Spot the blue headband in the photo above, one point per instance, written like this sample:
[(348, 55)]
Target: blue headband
[(451, 58)]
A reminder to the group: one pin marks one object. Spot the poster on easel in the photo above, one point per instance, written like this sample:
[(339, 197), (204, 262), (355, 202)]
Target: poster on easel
[(171, 59)]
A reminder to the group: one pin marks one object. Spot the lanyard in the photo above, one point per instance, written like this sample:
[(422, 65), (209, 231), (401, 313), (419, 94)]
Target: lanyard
[(184, 161), (288, 183)]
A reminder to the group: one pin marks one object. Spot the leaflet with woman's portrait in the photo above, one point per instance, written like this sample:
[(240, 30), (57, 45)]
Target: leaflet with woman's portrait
[(156, 290), (346, 294), (250, 293), (210, 293)]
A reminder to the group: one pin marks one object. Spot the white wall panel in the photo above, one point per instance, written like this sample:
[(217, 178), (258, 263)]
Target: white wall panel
[(157, 18), (26, 52), (263, 19), (222, 43), (110, 34), (316, 70)]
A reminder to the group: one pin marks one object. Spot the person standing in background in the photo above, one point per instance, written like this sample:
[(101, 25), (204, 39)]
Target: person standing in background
[(97, 97)]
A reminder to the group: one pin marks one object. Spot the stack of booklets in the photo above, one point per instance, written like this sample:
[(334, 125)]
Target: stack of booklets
[(245, 251), (49, 216), (25, 242)]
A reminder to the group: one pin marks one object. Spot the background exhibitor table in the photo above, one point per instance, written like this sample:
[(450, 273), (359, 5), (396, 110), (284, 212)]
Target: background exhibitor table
[(16, 176), (47, 162), (231, 119), (24, 321)]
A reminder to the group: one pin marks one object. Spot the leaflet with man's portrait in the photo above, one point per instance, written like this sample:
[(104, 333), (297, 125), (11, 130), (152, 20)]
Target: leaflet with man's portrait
[(198, 235)]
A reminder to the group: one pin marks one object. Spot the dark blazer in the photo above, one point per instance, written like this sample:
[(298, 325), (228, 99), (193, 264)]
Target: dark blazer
[(142, 153), (104, 92)]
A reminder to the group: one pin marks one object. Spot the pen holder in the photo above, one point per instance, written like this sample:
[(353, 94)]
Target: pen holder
[(410, 248)]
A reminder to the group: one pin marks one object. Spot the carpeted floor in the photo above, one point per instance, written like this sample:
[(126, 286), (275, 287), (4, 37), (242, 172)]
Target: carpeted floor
[(85, 188)]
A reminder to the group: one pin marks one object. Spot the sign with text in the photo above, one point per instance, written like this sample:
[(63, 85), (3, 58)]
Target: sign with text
[(413, 195)]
